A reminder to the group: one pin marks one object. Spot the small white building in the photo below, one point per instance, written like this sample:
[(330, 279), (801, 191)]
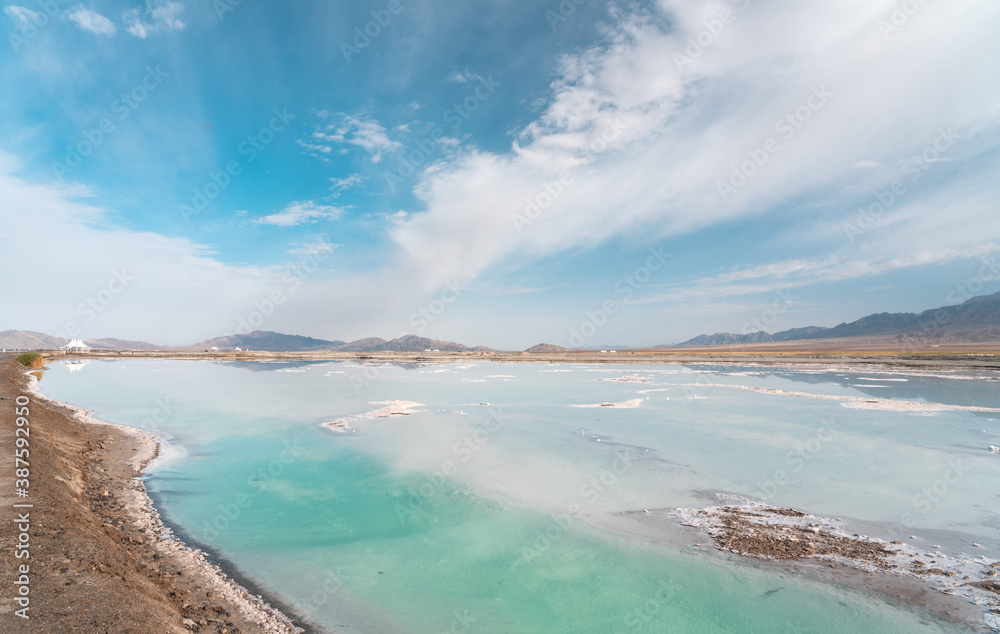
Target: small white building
[(76, 346)]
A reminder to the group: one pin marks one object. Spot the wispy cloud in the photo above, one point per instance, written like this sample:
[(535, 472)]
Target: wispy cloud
[(340, 185), (300, 213), (647, 140), (171, 274), (358, 130), (463, 76), (798, 273), (522, 290), (156, 16), (89, 20), (23, 17), (319, 246)]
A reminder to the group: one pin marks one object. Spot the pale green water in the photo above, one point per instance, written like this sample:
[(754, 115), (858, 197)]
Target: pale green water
[(463, 517)]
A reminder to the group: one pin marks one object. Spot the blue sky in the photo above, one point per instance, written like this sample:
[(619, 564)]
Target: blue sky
[(494, 173)]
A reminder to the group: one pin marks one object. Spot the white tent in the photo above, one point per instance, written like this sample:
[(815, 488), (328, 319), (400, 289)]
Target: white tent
[(76, 346)]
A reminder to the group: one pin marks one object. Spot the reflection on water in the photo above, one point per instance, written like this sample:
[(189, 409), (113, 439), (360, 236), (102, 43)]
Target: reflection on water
[(498, 506)]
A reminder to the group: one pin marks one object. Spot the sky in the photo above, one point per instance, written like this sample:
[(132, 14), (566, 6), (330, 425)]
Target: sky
[(493, 172)]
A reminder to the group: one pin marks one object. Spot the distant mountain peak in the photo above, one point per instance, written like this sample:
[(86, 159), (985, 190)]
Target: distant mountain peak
[(267, 341), (727, 339), (971, 320), (30, 340), (548, 347), (277, 342), (257, 340)]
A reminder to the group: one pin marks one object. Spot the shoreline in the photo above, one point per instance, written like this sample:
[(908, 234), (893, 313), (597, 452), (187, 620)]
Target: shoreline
[(239, 578), (243, 593), (234, 583), (979, 357), (170, 584)]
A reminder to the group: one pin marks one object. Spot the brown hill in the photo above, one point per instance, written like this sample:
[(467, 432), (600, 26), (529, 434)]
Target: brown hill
[(548, 347), (29, 340)]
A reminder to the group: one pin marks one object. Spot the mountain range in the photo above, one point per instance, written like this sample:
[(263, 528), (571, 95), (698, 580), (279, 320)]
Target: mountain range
[(976, 319), (30, 340), (277, 342), (257, 340)]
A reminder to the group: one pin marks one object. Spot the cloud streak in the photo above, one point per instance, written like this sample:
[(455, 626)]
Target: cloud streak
[(172, 276), (23, 17), (155, 17), (357, 130), (797, 273), (300, 213), (647, 142), (91, 21)]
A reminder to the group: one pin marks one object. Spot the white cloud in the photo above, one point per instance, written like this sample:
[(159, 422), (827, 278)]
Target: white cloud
[(522, 290), (340, 185), (157, 16), (797, 273), (357, 130), (23, 17), (171, 276), (464, 77), (316, 150), (320, 246), (299, 213), (646, 140), (91, 21), (325, 149)]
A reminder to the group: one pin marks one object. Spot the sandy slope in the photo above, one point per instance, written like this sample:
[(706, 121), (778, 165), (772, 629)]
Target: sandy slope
[(100, 559)]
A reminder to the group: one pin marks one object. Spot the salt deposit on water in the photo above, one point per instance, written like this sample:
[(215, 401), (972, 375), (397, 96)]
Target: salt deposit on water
[(530, 515), (856, 401), (392, 408)]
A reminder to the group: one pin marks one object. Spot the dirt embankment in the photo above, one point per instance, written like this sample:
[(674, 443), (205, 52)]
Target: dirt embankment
[(99, 558)]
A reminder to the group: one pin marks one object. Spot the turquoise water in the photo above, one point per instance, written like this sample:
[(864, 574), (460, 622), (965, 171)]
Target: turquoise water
[(499, 505)]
